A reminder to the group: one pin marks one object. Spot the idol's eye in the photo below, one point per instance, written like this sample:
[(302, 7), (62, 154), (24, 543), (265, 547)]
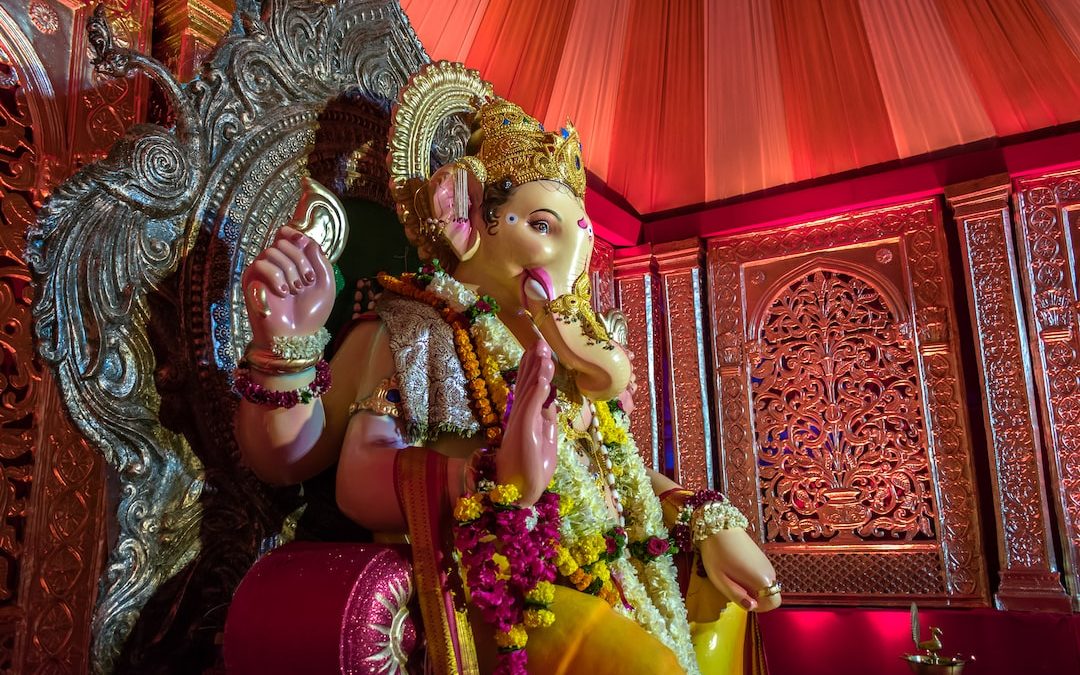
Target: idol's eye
[(541, 226)]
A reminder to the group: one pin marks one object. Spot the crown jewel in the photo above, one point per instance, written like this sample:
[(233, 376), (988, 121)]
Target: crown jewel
[(514, 147)]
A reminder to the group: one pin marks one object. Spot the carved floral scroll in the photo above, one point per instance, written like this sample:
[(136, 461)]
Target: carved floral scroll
[(637, 296), (1048, 238), (1027, 578)]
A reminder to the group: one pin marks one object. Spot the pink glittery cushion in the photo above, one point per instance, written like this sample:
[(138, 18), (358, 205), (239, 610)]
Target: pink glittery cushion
[(323, 608)]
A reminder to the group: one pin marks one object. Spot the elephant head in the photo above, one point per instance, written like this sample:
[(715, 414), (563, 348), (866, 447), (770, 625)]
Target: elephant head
[(511, 215)]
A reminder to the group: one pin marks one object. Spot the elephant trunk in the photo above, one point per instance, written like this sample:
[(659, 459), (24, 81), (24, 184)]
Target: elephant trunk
[(601, 367)]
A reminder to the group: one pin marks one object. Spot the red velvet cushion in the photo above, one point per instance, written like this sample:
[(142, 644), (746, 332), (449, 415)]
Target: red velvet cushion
[(322, 608)]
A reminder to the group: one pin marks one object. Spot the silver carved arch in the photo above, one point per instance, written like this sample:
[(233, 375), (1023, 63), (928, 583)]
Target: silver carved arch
[(138, 311)]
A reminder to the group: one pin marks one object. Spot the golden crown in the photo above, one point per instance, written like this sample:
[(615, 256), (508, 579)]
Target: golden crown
[(515, 149), (507, 146)]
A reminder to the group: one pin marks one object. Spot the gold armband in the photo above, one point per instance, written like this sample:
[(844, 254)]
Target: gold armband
[(385, 400)]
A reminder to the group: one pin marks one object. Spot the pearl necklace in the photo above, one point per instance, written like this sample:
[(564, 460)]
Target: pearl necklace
[(605, 465)]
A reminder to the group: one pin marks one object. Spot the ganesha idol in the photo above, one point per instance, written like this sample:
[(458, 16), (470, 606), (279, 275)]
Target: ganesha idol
[(485, 414)]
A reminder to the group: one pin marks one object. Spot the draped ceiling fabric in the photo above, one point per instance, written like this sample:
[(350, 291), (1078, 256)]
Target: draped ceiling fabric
[(681, 102)]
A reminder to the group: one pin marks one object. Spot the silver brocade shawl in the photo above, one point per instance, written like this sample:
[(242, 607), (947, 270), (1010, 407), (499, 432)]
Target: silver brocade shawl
[(430, 377)]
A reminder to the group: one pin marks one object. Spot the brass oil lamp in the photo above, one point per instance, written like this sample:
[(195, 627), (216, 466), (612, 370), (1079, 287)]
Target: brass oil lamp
[(929, 661)]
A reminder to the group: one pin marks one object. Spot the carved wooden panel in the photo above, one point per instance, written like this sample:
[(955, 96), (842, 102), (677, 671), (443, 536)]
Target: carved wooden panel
[(52, 115), (1028, 577), (636, 295), (101, 108), (1048, 239), (839, 406), (685, 338), (64, 546), (185, 32), (601, 273), (841, 448)]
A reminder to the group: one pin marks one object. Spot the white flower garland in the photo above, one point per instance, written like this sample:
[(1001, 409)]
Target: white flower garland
[(652, 589)]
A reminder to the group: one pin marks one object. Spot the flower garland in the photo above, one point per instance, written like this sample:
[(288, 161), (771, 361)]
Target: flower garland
[(506, 552), (475, 384), (260, 395), (639, 585), (650, 583)]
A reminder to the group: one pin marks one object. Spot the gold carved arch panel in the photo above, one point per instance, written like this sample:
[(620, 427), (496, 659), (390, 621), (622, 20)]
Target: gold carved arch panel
[(839, 403)]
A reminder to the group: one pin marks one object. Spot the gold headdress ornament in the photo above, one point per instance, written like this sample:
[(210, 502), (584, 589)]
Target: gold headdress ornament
[(513, 147)]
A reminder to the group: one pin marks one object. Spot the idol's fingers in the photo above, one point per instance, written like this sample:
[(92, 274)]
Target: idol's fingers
[(269, 274), (296, 255), (287, 268)]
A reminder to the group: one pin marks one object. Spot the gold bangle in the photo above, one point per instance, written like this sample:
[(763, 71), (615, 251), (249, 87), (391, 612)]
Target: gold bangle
[(769, 591), (262, 361)]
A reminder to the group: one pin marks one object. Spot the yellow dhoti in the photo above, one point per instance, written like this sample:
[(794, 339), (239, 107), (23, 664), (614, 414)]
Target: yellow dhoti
[(588, 636), (725, 636)]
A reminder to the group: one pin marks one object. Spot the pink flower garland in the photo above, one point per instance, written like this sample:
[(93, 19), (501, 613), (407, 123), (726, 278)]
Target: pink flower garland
[(507, 552)]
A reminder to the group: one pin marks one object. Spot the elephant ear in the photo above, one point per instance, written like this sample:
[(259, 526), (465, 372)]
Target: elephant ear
[(440, 91), (455, 193)]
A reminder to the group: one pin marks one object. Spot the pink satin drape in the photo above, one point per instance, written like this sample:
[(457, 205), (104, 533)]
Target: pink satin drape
[(835, 112), (1026, 74), (681, 102), (930, 97), (587, 86), (746, 141)]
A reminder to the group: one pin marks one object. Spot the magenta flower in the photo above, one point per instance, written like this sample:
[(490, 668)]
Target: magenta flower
[(657, 547)]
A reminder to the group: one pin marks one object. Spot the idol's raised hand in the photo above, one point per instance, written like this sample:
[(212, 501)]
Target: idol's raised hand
[(529, 448), (289, 288)]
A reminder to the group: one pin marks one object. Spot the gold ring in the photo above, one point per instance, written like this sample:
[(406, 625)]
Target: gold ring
[(769, 591)]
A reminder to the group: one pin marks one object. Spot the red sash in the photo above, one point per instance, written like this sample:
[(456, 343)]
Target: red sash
[(420, 476)]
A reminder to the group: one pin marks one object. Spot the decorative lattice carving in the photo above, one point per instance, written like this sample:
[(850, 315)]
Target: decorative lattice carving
[(1048, 237), (20, 374), (929, 494), (858, 574), (841, 449)]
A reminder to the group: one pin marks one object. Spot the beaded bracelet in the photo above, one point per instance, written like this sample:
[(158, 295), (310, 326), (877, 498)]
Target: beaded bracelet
[(703, 514), (260, 395)]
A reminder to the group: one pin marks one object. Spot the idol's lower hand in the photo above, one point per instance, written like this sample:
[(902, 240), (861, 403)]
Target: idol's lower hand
[(528, 452), (738, 568)]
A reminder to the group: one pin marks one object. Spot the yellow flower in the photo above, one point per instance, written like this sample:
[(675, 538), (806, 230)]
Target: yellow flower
[(543, 594), (566, 505), (503, 564), (589, 548), (468, 508), (565, 561), (538, 618), (515, 638), (505, 494), (600, 571), (613, 434)]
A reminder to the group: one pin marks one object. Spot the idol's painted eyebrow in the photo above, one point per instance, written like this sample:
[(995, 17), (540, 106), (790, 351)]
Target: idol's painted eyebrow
[(554, 213)]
